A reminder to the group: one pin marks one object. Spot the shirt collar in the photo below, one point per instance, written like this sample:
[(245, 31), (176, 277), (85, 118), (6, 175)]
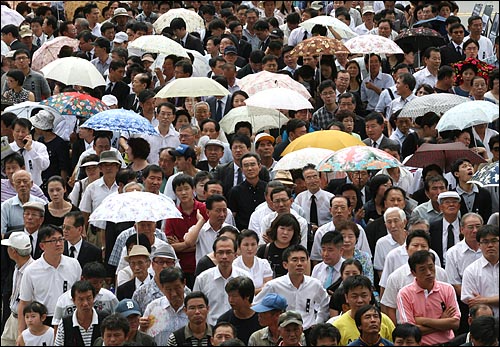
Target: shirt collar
[(95, 319)]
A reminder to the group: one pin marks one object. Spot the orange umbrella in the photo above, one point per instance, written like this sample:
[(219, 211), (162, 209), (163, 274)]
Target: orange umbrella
[(328, 139)]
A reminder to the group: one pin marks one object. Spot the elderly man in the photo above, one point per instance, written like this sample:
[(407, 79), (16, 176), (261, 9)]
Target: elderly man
[(269, 310), (139, 261)]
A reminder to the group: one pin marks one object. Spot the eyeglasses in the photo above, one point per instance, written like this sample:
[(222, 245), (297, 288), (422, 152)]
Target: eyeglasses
[(194, 308), (487, 242), (61, 239), (164, 262), (32, 214), (137, 263)]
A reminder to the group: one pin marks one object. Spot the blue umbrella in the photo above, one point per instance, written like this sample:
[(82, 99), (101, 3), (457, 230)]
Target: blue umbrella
[(120, 120), (437, 23), (487, 176)]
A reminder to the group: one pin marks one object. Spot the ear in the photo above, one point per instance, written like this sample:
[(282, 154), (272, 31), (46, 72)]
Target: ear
[(285, 265)]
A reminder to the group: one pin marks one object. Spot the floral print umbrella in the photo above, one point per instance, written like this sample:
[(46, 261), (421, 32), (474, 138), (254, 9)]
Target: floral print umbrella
[(486, 176), (75, 104), (120, 120), (319, 45), (483, 69), (358, 158), (367, 44)]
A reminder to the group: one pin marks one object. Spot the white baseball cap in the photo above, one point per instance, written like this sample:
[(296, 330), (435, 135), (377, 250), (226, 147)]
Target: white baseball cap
[(18, 240)]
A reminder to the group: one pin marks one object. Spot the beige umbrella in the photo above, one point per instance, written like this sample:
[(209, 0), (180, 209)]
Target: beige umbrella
[(158, 44), (193, 21), (74, 71), (192, 87)]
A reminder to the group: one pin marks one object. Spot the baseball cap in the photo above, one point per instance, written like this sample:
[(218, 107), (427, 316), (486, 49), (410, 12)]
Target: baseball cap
[(289, 317), (101, 42), (317, 5), (35, 205), (109, 100), (128, 307), (271, 301), (18, 240), (25, 31), (137, 250), (278, 33), (264, 136), (163, 251), (448, 195), (368, 9), (230, 49), (120, 37), (214, 142), (183, 151)]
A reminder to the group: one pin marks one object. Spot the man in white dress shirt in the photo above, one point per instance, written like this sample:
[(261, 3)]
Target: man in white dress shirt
[(328, 271), (428, 75)]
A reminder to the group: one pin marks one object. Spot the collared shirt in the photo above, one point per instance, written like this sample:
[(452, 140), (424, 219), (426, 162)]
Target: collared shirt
[(297, 36), (12, 212), (95, 193), (191, 340), (35, 286), (414, 301), (467, 197), (206, 239), (159, 141), (258, 215), (425, 76), (142, 17), (235, 87), (77, 246), (322, 202), (310, 299), (405, 181), (212, 283), (397, 135), (322, 118), (401, 277), (8, 191), (427, 211), (385, 100), (235, 175), (485, 47), (167, 319), (383, 246), (252, 39), (458, 258), (456, 235), (268, 220), (36, 160), (102, 67), (35, 82), (398, 103), (16, 280), (91, 150), (86, 334), (258, 272), (382, 80), (322, 272), (146, 293), (480, 277)]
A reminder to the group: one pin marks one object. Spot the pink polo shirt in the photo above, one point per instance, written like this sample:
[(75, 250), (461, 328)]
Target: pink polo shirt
[(413, 301)]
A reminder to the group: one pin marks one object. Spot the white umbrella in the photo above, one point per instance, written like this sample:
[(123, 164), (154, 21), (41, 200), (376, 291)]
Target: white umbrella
[(192, 87), (256, 82), (438, 103), (135, 207), (158, 44), (367, 44), (328, 21), (9, 16), (193, 21), (260, 118), (302, 157), (468, 114), (200, 65), (279, 98), (74, 71)]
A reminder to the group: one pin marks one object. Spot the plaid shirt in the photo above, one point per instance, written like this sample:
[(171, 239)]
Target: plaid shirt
[(322, 117)]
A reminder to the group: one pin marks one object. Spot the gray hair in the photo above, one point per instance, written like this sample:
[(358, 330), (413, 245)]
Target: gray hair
[(134, 184), (23, 252), (390, 210), (471, 214), (201, 103), (418, 220)]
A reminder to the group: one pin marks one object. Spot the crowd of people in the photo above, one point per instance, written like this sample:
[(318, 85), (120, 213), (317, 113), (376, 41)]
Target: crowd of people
[(261, 256)]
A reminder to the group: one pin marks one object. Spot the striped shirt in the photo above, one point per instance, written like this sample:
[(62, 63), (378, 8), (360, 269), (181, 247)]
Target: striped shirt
[(86, 334)]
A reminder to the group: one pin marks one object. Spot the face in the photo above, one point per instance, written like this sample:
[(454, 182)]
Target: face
[(210, 131), (358, 297), (384, 29), (495, 151), (184, 192), (478, 87), (33, 319), (291, 334), (139, 265), (394, 223), (331, 254), (465, 172), (114, 337), (403, 124), (342, 81), (434, 60), (350, 270), (328, 96), (359, 178), (186, 137), (435, 188), (457, 35), (10, 169), (407, 341), (417, 244), (271, 66), (468, 75), (224, 253), (352, 196), (489, 247), (425, 273), (310, 60), (19, 134), (290, 60), (181, 121), (22, 182), (174, 291), (373, 129), (238, 100), (265, 149), (250, 167), (84, 301), (395, 199), (339, 209), (469, 228), (166, 116), (238, 149), (421, 91), (476, 27), (296, 263), (238, 32), (70, 232), (312, 180), (222, 333), (53, 245), (166, 162), (248, 247), (33, 219), (370, 322), (282, 203), (251, 18), (349, 239), (353, 70)]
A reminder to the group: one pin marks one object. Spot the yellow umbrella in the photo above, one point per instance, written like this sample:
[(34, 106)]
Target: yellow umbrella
[(328, 139)]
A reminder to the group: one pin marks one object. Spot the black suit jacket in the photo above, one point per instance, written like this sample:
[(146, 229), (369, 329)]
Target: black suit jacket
[(194, 43), (244, 71), (374, 231), (225, 174), (88, 253), (385, 141), (279, 148), (244, 49), (436, 231), (482, 204), (212, 102), (130, 104), (126, 290), (121, 91), (449, 55), (18, 45)]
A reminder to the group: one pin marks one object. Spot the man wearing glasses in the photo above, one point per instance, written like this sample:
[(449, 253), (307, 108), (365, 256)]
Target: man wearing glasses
[(49, 276)]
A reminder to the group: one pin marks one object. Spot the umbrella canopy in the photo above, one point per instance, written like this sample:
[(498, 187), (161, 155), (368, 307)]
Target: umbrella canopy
[(437, 23), (319, 45), (9, 16), (49, 51), (75, 104), (158, 44), (357, 158), (302, 157), (135, 207), (279, 98), (469, 114), (200, 65), (192, 87), (420, 39), (487, 176), (367, 44), (193, 21), (120, 120), (254, 83), (443, 155), (260, 118), (24, 109), (74, 71), (438, 103), (328, 21), (328, 139)]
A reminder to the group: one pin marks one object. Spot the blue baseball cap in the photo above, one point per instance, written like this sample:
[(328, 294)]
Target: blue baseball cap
[(128, 307), (271, 301), (183, 151)]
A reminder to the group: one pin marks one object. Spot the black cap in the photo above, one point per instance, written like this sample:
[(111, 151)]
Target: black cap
[(278, 33)]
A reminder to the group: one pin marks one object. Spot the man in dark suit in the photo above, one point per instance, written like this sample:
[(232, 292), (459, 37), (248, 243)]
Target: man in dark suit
[(178, 26), (230, 174), (244, 48), (453, 52), (219, 105), (140, 82), (74, 245), (115, 85), (446, 230), (294, 128), (374, 125), (139, 262), (261, 28), (254, 64), (10, 35)]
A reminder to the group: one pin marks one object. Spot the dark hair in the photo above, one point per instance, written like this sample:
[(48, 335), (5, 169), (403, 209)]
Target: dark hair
[(229, 229), (212, 181), (242, 139), (143, 241), (280, 189), (377, 181), (494, 139), (223, 238), (362, 310), (484, 329), (326, 84), (243, 285), (82, 287), (294, 124), (390, 189), (350, 225), (171, 274), (429, 118), (486, 230), (351, 261), (376, 117), (322, 331), (355, 281), (406, 330), (358, 77), (47, 231), (294, 248), (433, 179), (94, 269), (213, 199), (419, 257), (242, 124), (180, 113), (22, 122), (418, 233), (247, 233), (16, 75), (115, 321), (195, 295), (35, 306), (445, 71), (140, 148), (150, 169), (14, 158), (285, 219), (181, 179), (332, 237), (224, 323)]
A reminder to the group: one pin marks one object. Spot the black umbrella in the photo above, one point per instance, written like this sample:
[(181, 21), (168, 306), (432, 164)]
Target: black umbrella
[(420, 38)]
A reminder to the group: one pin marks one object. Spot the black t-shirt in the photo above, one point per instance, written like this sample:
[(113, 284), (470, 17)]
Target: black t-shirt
[(244, 327), (275, 258), (203, 264)]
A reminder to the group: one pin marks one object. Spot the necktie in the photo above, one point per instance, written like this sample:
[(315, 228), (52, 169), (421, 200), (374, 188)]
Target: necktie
[(72, 250), (38, 42), (32, 246), (218, 112), (313, 212), (136, 103), (451, 237), (89, 55), (459, 50), (21, 151), (374, 144), (329, 277), (240, 176), (109, 88)]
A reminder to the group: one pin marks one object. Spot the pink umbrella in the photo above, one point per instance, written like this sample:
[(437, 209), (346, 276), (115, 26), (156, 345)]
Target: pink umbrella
[(49, 51), (254, 83)]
